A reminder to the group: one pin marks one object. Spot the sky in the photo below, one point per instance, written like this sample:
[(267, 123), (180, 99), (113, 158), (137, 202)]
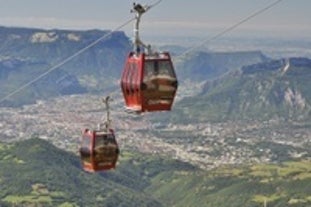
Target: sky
[(169, 17)]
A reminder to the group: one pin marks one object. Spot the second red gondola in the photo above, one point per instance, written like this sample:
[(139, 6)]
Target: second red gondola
[(99, 150)]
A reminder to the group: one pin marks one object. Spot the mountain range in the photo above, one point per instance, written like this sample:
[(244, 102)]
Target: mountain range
[(275, 89), (237, 85), (206, 65), (26, 54)]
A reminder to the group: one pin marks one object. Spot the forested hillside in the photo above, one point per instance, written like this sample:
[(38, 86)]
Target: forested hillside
[(34, 172)]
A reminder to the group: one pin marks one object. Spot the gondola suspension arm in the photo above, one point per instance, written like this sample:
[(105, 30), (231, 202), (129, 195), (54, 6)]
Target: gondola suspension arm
[(138, 43)]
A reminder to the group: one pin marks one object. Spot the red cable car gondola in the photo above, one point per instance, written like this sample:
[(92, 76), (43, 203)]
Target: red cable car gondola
[(148, 81), (99, 149)]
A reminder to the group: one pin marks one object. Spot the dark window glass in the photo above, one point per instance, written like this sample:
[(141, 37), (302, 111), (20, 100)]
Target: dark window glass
[(166, 69)]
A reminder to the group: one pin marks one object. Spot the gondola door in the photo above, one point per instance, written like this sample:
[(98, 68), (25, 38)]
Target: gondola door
[(86, 151), (131, 82)]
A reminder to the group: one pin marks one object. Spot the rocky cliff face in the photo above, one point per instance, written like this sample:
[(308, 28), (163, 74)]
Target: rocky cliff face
[(277, 89)]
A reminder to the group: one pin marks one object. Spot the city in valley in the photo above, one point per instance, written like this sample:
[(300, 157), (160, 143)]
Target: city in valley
[(207, 145)]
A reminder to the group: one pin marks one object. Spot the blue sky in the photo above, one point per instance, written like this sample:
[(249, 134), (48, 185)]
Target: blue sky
[(171, 17)]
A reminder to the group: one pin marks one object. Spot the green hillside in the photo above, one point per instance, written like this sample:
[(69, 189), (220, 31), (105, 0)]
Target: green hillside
[(286, 184), (35, 173)]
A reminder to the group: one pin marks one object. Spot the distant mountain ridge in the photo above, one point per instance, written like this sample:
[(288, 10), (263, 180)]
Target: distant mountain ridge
[(242, 84), (26, 53), (200, 66), (275, 65)]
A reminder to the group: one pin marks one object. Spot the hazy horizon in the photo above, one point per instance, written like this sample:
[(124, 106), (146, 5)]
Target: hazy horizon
[(171, 17)]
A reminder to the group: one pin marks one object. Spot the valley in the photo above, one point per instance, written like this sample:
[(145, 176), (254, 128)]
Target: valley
[(240, 119), (206, 145)]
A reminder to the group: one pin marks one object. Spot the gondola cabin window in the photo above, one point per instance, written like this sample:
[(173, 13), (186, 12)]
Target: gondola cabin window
[(166, 69)]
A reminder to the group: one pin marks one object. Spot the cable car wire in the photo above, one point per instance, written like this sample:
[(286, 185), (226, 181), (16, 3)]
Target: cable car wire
[(57, 66), (26, 85), (66, 60), (234, 26), (155, 4)]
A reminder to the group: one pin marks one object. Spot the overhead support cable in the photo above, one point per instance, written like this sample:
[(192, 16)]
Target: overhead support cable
[(234, 26), (66, 60)]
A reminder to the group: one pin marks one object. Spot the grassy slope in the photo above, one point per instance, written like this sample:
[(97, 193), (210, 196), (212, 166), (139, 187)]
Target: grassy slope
[(287, 184), (32, 163), (36, 172)]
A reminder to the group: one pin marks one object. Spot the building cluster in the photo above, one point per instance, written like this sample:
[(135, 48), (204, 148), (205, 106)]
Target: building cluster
[(206, 145)]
